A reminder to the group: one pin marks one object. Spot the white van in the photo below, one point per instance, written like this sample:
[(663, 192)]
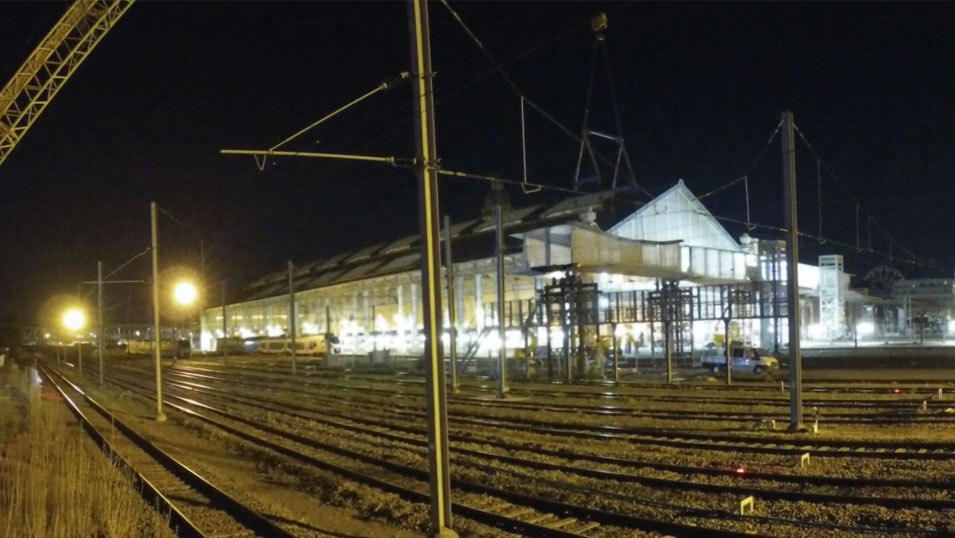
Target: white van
[(715, 360)]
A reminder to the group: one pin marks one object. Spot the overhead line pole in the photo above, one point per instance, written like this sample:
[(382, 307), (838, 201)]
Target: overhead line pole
[(291, 313), (792, 270), (502, 388), (101, 328), (225, 325), (99, 317), (160, 416), (426, 164), (452, 305)]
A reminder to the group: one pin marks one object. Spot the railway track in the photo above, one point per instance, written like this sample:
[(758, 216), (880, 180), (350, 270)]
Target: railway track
[(196, 508), (517, 512), (473, 455), (667, 437), (918, 386), (308, 414), (888, 407)]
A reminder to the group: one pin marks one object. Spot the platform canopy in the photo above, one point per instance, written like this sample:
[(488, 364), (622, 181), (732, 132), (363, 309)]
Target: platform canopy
[(591, 250)]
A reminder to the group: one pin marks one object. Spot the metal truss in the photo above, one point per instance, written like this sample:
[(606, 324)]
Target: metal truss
[(51, 64)]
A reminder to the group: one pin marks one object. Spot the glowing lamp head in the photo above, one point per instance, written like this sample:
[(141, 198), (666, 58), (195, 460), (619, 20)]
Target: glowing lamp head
[(185, 293), (74, 319)]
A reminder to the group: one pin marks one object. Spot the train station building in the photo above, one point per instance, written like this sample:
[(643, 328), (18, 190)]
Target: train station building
[(577, 272)]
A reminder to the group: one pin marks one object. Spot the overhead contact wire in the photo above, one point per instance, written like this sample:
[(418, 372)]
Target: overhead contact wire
[(752, 166), (845, 188), (512, 84)]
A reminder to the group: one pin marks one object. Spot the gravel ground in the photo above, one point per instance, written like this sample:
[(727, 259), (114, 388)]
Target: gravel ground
[(620, 496), (843, 466), (617, 496), (282, 494)]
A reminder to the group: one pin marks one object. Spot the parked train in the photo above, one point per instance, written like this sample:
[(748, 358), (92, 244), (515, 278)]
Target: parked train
[(316, 345)]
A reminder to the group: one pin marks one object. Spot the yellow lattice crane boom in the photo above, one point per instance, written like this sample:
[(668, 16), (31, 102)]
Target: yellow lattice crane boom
[(50, 65)]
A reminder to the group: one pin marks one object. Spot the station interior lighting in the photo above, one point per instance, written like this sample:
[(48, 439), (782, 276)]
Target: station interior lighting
[(74, 319), (817, 331), (185, 293), (865, 328)]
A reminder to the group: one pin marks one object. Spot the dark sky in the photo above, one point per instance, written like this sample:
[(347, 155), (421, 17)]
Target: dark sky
[(700, 89)]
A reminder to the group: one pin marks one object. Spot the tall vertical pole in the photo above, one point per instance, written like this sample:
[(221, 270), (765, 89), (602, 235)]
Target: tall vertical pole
[(328, 322), (452, 304), (502, 387), (792, 270), (426, 162), (616, 349), (100, 344), (668, 349), (728, 351), (157, 334), (667, 310), (291, 314), (374, 332), (225, 322)]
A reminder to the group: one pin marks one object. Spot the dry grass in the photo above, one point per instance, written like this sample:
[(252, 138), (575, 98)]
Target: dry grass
[(55, 483)]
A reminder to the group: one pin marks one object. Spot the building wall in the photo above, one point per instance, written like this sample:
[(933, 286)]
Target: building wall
[(386, 312), (382, 312)]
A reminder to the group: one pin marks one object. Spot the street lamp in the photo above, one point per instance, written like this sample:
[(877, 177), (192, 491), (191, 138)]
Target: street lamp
[(185, 293), (74, 319)]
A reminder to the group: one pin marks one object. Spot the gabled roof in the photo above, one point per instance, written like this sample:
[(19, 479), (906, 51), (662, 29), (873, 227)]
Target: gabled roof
[(471, 240), (698, 216), (511, 217)]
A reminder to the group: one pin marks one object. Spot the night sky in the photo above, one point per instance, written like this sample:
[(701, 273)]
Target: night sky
[(700, 89)]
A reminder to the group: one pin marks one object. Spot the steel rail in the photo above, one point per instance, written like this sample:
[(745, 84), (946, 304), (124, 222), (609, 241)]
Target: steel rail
[(549, 505), (241, 513), (922, 386), (800, 479), (702, 512), (892, 502), (890, 387), (662, 414), (178, 521), (767, 401), (677, 438)]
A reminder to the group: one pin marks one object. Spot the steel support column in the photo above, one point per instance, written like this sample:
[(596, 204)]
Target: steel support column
[(291, 315), (792, 269), (99, 318), (502, 388), (426, 161), (157, 331), (452, 303)]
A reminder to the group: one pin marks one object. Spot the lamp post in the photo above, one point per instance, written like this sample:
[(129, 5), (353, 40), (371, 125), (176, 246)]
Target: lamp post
[(157, 337), (184, 293)]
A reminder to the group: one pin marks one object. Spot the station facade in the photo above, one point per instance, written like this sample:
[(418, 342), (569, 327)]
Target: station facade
[(574, 275)]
